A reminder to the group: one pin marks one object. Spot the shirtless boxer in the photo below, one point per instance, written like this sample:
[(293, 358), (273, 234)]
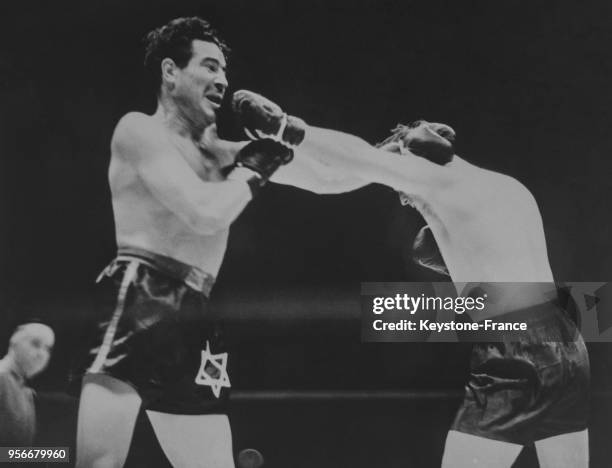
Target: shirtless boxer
[(173, 205), (531, 391), (489, 231)]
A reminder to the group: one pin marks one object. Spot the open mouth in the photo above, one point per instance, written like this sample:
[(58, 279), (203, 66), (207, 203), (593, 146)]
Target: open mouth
[(215, 99)]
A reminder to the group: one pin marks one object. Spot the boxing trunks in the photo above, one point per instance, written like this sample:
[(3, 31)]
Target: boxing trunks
[(155, 333), (532, 388)]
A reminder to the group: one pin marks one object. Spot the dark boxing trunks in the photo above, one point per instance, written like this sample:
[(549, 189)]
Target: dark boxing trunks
[(155, 333), (527, 390)]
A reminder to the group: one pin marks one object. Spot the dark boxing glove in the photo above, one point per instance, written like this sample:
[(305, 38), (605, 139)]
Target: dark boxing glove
[(262, 118), (261, 158), (432, 141)]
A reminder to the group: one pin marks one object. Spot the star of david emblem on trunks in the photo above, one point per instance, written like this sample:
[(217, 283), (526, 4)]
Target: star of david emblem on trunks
[(213, 371)]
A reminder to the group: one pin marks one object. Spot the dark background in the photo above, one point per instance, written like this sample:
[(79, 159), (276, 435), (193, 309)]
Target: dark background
[(526, 85)]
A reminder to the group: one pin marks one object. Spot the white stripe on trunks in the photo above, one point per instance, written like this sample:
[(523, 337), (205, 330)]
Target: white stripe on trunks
[(111, 329)]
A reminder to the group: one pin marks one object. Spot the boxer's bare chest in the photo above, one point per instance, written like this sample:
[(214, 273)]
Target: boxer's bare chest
[(203, 163)]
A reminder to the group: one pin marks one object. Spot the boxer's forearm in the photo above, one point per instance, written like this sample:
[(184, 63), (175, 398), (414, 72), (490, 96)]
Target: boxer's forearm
[(314, 175), (303, 172), (225, 151), (330, 161), (360, 160)]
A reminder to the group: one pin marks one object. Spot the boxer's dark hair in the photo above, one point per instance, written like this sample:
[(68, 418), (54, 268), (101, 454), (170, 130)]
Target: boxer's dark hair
[(173, 40), (435, 153), (397, 134)]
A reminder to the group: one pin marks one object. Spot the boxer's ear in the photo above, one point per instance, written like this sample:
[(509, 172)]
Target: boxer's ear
[(168, 71)]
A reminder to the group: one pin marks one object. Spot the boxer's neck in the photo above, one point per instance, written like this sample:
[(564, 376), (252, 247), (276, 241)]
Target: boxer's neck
[(178, 121)]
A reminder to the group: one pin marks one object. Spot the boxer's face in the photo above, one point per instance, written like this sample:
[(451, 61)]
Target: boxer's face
[(200, 86), (32, 349)]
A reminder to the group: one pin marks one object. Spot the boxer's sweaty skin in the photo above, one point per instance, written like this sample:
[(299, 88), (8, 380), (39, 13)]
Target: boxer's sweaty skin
[(169, 196)]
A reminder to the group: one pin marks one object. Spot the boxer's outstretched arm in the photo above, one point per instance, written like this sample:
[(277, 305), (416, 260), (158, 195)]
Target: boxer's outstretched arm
[(359, 160), (337, 157), (304, 172), (206, 206), (329, 161)]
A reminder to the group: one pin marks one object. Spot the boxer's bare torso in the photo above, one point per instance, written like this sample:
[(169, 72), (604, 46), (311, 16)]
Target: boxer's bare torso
[(489, 229), (487, 225), (157, 216)]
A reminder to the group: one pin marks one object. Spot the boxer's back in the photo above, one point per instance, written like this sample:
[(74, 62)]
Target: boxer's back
[(488, 227), (142, 219)]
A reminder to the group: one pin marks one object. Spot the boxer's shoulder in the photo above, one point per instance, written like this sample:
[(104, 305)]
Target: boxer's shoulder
[(138, 134), (136, 125), (482, 188), (514, 191), (485, 178), (510, 197)]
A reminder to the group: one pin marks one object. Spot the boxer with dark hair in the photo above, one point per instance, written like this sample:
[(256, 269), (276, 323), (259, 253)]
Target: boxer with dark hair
[(175, 192), (174, 41), (489, 231)]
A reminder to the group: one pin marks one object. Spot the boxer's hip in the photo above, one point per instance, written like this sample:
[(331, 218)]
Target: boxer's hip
[(534, 386), (153, 329)]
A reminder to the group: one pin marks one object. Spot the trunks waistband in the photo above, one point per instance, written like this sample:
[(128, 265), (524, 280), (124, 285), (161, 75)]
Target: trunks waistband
[(549, 317), (192, 276), (537, 314)]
